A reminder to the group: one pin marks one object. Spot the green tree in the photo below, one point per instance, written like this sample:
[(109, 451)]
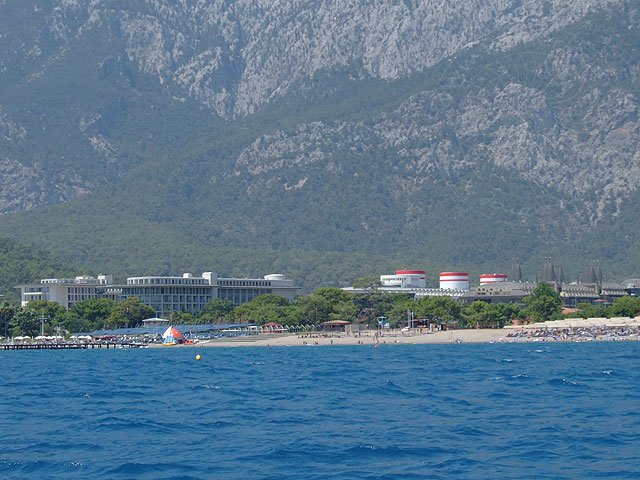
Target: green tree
[(439, 309), (341, 305), (26, 322), (88, 315), (7, 312), (215, 311), (313, 309), (334, 296), (397, 314), (625, 307), (264, 309), (128, 313), (53, 312), (543, 304), (346, 311), (590, 310), (377, 304), (182, 318), (478, 313), (507, 312), (489, 315), (37, 314)]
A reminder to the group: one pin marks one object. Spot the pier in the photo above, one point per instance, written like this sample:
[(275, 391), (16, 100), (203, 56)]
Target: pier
[(69, 346)]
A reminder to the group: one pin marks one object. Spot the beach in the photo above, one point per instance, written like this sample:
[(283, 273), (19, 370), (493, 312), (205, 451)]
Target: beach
[(370, 339), (568, 330)]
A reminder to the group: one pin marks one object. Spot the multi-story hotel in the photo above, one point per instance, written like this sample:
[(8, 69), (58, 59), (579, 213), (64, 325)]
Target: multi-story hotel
[(164, 294), (67, 291)]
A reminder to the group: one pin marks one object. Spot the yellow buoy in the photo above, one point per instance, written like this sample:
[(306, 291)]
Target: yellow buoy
[(197, 357)]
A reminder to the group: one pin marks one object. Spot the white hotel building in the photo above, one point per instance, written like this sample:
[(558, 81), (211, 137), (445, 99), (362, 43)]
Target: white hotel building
[(164, 294), (67, 291)]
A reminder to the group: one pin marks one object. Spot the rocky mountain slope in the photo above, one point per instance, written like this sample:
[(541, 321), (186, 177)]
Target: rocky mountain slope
[(385, 127)]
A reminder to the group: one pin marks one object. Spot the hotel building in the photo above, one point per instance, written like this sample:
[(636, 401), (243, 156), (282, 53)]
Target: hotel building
[(164, 294), (67, 291)]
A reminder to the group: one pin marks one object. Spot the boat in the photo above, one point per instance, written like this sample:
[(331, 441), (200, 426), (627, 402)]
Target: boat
[(172, 336)]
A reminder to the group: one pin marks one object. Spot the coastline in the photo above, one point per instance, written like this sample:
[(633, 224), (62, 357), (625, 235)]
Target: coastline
[(568, 330), (480, 336), (370, 339)]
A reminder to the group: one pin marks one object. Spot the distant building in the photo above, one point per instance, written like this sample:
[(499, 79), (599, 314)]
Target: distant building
[(405, 279), (414, 284), (486, 278), (164, 294), (167, 294), (499, 292), (67, 291), (454, 280), (242, 290), (498, 288), (632, 286), (191, 294)]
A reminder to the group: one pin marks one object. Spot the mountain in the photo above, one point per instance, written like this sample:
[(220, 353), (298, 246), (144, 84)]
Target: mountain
[(326, 139)]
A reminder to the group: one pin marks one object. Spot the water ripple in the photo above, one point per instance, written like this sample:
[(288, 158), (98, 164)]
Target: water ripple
[(415, 411)]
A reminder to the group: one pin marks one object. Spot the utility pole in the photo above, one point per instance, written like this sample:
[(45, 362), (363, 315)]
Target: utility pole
[(42, 319)]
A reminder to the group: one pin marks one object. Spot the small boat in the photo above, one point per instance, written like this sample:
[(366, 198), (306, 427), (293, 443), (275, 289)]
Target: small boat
[(172, 336)]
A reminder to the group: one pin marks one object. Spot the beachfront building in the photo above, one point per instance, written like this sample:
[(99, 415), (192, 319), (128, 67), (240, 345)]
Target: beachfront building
[(242, 290), (405, 279), (498, 288), (67, 291), (165, 294), (499, 292), (189, 293), (414, 284)]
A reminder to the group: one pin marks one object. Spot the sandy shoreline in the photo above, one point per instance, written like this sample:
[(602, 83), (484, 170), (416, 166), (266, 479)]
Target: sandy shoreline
[(568, 330), (292, 340), (449, 337)]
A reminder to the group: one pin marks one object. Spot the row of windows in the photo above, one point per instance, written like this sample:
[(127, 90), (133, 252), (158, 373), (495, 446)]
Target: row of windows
[(142, 291), (92, 290), (167, 281), (241, 295), (79, 298), (35, 289), (155, 299), (244, 283)]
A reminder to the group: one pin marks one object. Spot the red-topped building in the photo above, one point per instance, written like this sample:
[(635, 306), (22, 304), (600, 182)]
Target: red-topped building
[(405, 279), (486, 278)]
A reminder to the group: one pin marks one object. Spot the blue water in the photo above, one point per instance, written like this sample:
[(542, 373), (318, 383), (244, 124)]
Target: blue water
[(419, 411)]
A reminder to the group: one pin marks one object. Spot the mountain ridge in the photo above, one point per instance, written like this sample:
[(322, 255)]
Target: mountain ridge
[(515, 130)]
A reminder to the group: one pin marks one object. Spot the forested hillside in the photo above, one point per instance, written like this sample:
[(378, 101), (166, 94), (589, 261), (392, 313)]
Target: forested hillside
[(325, 140), (21, 264)]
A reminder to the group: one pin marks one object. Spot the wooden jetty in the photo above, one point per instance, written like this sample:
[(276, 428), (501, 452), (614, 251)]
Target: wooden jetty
[(69, 346)]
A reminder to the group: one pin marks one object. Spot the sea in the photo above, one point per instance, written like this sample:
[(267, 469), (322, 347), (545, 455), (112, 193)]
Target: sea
[(485, 411)]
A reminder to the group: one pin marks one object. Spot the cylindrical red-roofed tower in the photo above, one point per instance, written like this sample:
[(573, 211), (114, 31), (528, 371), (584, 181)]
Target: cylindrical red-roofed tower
[(493, 278), (454, 280)]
